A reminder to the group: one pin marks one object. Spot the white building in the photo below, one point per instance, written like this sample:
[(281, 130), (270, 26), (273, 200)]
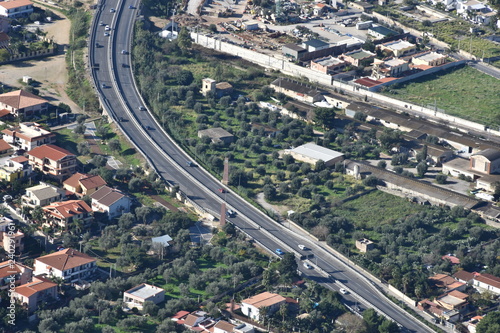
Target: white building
[(28, 136), (16, 8), (110, 201), (251, 306), (312, 153), (42, 195), (68, 264), (487, 282), (135, 297)]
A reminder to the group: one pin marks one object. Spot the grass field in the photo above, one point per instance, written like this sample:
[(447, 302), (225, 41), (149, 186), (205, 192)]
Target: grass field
[(464, 92)]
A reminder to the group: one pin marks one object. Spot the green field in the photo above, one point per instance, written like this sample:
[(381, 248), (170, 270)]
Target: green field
[(464, 92)]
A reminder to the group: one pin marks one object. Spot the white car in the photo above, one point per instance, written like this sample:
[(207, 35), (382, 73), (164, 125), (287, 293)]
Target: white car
[(107, 28), (112, 10), (343, 291), (303, 247), (306, 265)]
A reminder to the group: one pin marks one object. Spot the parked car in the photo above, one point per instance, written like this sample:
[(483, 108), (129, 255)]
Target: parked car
[(279, 252)]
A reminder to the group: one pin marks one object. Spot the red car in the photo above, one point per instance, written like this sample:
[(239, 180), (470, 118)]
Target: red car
[(222, 190)]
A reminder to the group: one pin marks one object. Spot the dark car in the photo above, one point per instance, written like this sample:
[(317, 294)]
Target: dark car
[(142, 108), (190, 164)]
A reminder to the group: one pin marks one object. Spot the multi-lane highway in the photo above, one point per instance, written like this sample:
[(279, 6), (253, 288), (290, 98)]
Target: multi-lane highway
[(114, 82)]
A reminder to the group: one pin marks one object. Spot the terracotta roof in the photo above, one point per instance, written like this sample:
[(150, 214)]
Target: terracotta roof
[(458, 294), (66, 259), (68, 208), (107, 196), (190, 320), (20, 99), (224, 325), (4, 37), (74, 180), (4, 112), (264, 299), (489, 279), (463, 275), (92, 182), (19, 159), (38, 284), (7, 270), (52, 152), (180, 314), (442, 280), (4, 145), (454, 260), (367, 82)]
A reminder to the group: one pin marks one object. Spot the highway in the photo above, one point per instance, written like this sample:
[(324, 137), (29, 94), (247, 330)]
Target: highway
[(120, 97)]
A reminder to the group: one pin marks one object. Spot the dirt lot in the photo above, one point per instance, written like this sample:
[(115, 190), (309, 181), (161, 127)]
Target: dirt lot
[(50, 72)]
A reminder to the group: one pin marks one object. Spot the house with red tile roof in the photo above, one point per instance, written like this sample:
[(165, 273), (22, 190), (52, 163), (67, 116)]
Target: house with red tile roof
[(63, 213), (180, 315), (5, 148), (464, 276), (454, 300), (68, 264), (452, 259), (251, 306), (223, 326), (110, 201), (14, 271), (84, 184), (32, 294), (28, 135), (487, 282), (21, 102), (52, 160), (446, 282)]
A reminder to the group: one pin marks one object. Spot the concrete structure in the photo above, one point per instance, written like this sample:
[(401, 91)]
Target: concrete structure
[(12, 240), (358, 57), (293, 51), (320, 9), (14, 272), (68, 264), (312, 153), (42, 195), (454, 300), (487, 282), (53, 161), (251, 306), (428, 59), (20, 102), (328, 65), (486, 161), (110, 201), (364, 245), (315, 45), (84, 184), (362, 5), (16, 8), (251, 25), (135, 297), (32, 294), (244, 328), (380, 32), (27, 136), (217, 134), (392, 67), (297, 90), (399, 48), (63, 214), (15, 168), (219, 89)]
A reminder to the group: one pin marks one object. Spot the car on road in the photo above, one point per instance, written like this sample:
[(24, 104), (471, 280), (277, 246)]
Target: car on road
[(279, 252), (222, 190), (106, 34), (303, 247), (121, 119), (306, 265), (131, 7), (107, 28), (343, 291), (230, 213), (142, 108), (125, 66), (124, 52), (103, 85), (190, 164), (149, 128), (101, 23), (112, 10)]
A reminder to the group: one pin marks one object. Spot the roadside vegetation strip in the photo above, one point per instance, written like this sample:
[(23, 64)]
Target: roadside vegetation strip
[(463, 92)]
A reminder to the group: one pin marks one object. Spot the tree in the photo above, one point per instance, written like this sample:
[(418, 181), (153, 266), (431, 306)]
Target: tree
[(79, 129), (212, 28), (184, 77), (135, 184), (490, 323), (441, 179), (351, 323), (184, 39), (270, 192), (83, 148), (4, 55), (382, 164), (114, 145), (421, 169), (101, 131), (288, 266), (99, 161), (372, 320), (324, 117), (389, 138)]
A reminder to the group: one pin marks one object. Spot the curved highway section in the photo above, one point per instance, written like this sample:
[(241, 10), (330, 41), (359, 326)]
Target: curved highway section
[(113, 79)]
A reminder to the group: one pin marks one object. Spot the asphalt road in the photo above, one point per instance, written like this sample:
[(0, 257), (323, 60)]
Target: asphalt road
[(122, 101)]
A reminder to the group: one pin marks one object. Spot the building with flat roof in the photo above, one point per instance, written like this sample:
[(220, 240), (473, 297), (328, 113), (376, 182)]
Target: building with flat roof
[(358, 57), (392, 67), (315, 45), (298, 90), (364, 245), (251, 306), (380, 32), (28, 135), (135, 297), (293, 51), (399, 48), (328, 65), (429, 58), (312, 153)]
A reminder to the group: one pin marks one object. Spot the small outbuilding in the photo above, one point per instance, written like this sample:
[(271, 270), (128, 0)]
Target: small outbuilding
[(135, 297), (312, 153), (217, 134), (364, 245)]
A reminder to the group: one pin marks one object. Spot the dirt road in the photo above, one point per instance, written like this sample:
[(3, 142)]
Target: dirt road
[(51, 71)]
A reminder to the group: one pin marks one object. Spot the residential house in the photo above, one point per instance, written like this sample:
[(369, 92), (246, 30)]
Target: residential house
[(219, 89), (32, 294), (180, 316), (381, 32), (475, 11), (52, 160), (300, 91), (314, 45), (312, 153), (399, 48), (293, 51), (217, 134), (21, 102), (5, 148), (251, 306), (391, 67), (16, 8), (42, 195), (358, 57), (84, 184), (453, 300), (15, 168), (428, 58), (12, 240), (328, 65), (364, 245), (487, 282), (194, 319), (452, 259), (63, 214), (464, 277), (110, 201), (223, 326), (471, 324), (244, 328), (28, 135), (320, 9), (14, 272), (135, 297), (68, 264), (446, 282)]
